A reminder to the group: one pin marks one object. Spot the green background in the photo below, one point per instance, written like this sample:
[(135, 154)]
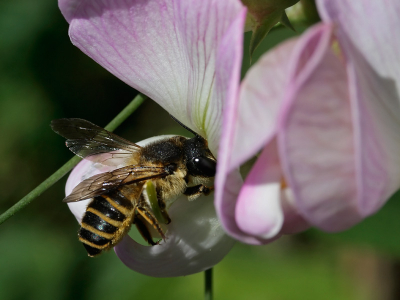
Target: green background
[(44, 77)]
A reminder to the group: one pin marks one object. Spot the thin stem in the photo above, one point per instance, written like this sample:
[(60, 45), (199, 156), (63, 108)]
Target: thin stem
[(122, 116), (208, 291), (126, 112), (36, 192)]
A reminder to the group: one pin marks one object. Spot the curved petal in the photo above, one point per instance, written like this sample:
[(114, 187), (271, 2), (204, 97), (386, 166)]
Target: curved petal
[(376, 118), (195, 238), (226, 209), (293, 221), (195, 242), (372, 27), (316, 136), (227, 187), (227, 78), (258, 208), (165, 49), (260, 100), (68, 8), (368, 37), (249, 122), (340, 154)]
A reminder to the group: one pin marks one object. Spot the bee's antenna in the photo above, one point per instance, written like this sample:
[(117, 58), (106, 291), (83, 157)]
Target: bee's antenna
[(187, 128)]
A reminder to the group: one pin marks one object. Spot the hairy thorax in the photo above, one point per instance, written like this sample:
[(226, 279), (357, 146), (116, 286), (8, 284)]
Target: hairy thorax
[(172, 186)]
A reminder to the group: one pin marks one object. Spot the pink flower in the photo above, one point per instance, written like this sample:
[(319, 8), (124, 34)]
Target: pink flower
[(185, 55), (324, 111)]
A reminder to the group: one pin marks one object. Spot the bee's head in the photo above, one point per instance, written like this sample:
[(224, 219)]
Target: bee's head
[(199, 159)]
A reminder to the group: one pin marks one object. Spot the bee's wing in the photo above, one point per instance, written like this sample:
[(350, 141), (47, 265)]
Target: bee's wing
[(102, 183), (88, 140)]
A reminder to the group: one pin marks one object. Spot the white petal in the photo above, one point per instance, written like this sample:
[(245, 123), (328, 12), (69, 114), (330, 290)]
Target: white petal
[(195, 242)]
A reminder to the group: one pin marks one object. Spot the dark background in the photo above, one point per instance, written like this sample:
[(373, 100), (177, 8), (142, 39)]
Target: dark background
[(44, 77)]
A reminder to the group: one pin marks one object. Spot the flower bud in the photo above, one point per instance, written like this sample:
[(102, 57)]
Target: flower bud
[(262, 15)]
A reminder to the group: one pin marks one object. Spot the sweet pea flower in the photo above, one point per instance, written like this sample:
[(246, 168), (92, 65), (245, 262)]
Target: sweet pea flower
[(323, 109), (185, 55)]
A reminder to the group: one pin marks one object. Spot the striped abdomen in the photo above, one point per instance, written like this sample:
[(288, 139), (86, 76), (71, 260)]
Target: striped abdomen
[(105, 222)]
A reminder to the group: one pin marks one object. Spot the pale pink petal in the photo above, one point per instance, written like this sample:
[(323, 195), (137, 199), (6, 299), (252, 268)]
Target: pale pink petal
[(68, 8), (368, 36), (251, 122), (195, 238), (340, 153), (165, 49), (226, 208), (227, 78), (293, 221), (258, 208), (376, 118), (244, 115), (227, 184), (256, 113), (373, 29), (317, 135)]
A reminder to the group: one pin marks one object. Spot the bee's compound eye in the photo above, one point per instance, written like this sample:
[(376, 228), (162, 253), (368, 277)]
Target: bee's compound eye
[(205, 165)]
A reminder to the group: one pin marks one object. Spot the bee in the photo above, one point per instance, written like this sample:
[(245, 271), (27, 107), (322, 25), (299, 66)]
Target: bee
[(175, 165)]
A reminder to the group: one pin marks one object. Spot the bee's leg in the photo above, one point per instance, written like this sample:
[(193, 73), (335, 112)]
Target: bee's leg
[(163, 207), (193, 192), (149, 217), (143, 230)]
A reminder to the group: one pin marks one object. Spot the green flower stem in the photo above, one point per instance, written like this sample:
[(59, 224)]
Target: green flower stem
[(126, 112), (122, 116), (208, 292), (36, 192)]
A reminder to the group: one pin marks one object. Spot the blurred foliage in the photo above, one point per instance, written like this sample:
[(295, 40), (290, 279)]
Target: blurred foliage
[(43, 77), (379, 231)]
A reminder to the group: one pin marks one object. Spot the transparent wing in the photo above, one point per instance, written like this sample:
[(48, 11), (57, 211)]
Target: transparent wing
[(92, 142), (102, 183)]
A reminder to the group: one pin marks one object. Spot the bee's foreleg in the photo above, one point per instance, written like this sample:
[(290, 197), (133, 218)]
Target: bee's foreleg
[(193, 192)]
